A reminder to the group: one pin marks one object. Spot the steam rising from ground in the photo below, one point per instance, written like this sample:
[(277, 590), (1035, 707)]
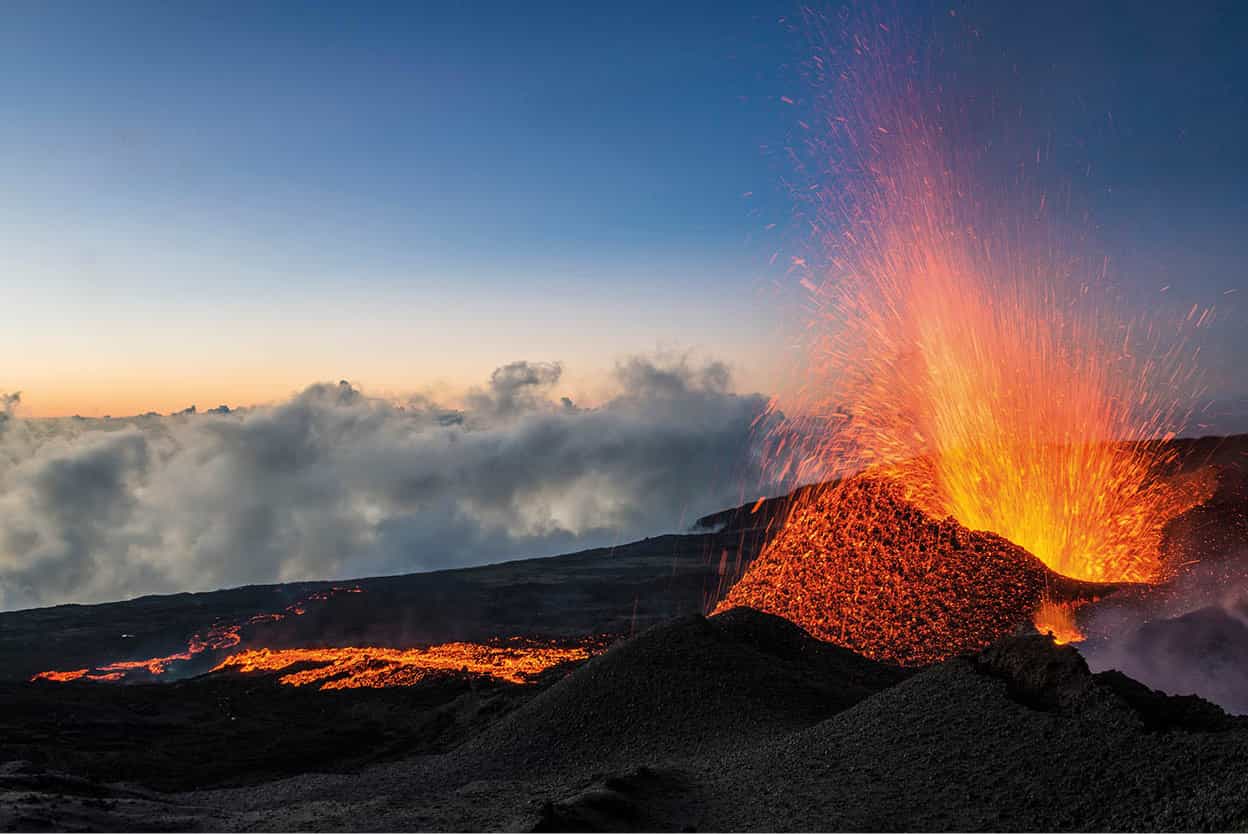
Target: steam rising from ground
[(335, 483), (1190, 637)]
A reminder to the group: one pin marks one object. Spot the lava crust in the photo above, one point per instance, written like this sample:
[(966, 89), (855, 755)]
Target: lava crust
[(858, 565)]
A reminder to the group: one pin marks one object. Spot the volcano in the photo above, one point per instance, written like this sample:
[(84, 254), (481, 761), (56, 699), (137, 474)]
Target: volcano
[(859, 565), (743, 720)]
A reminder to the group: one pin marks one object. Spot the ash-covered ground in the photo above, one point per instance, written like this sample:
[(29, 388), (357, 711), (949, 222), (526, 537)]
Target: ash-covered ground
[(737, 722)]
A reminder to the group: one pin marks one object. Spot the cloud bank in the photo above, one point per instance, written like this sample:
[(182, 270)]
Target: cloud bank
[(334, 483)]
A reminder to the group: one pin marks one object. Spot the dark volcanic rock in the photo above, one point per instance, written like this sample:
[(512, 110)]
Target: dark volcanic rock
[(1160, 712), (1203, 651), (1043, 675), (228, 731), (685, 688), (1037, 671), (643, 799), (955, 748), (738, 722), (744, 722)]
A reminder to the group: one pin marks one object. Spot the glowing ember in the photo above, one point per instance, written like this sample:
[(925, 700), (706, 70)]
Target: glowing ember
[(953, 352), (1058, 619), (353, 668)]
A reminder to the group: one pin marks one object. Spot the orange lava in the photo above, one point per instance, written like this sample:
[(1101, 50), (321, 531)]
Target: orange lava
[(371, 667), (218, 638), (61, 677), (860, 566), (1058, 619), (1009, 423), (516, 660), (955, 349), (78, 675)]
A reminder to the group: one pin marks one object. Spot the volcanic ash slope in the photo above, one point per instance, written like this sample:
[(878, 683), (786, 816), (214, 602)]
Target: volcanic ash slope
[(689, 687), (1021, 737), (1018, 737), (743, 722)]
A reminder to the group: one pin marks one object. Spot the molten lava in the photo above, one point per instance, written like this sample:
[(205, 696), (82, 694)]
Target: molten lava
[(219, 637), (1058, 619), (975, 376), (356, 667), (860, 566), (987, 386), (972, 370), (988, 407), (78, 675), (516, 660)]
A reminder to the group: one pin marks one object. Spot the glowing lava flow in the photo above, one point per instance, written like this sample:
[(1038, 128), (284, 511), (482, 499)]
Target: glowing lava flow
[(515, 661), (218, 638), (77, 675), (955, 351), (371, 667)]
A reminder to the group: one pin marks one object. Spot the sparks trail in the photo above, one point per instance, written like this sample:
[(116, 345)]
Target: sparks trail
[(954, 348), (979, 378)]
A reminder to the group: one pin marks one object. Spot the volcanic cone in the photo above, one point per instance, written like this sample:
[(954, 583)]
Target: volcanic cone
[(858, 565)]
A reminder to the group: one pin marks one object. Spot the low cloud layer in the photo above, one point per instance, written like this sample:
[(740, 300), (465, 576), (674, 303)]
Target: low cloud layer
[(335, 483)]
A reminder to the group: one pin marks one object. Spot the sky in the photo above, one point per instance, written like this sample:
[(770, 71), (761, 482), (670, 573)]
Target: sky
[(223, 203)]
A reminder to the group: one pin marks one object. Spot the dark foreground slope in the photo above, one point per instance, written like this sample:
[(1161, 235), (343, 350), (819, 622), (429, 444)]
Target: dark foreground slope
[(689, 687), (743, 722), (978, 744), (465, 757)]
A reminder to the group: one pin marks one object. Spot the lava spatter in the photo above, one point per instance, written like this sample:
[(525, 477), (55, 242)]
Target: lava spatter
[(859, 565)]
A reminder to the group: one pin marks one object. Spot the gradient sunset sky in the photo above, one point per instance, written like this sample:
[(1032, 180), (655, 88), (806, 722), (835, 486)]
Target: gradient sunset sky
[(221, 203)]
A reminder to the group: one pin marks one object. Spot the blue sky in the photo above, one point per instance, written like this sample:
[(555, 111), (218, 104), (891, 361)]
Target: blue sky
[(208, 202)]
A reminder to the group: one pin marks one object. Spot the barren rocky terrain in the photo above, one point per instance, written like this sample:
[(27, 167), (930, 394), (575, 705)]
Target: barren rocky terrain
[(741, 721)]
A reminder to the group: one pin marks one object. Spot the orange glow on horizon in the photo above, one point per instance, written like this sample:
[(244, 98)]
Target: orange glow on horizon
[(102, 395)]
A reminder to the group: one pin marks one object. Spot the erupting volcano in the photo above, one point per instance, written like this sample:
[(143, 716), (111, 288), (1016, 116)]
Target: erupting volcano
[(860, 566), (974, 372)]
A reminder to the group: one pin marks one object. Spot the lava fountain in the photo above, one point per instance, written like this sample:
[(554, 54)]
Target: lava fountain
[(956, 354)]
